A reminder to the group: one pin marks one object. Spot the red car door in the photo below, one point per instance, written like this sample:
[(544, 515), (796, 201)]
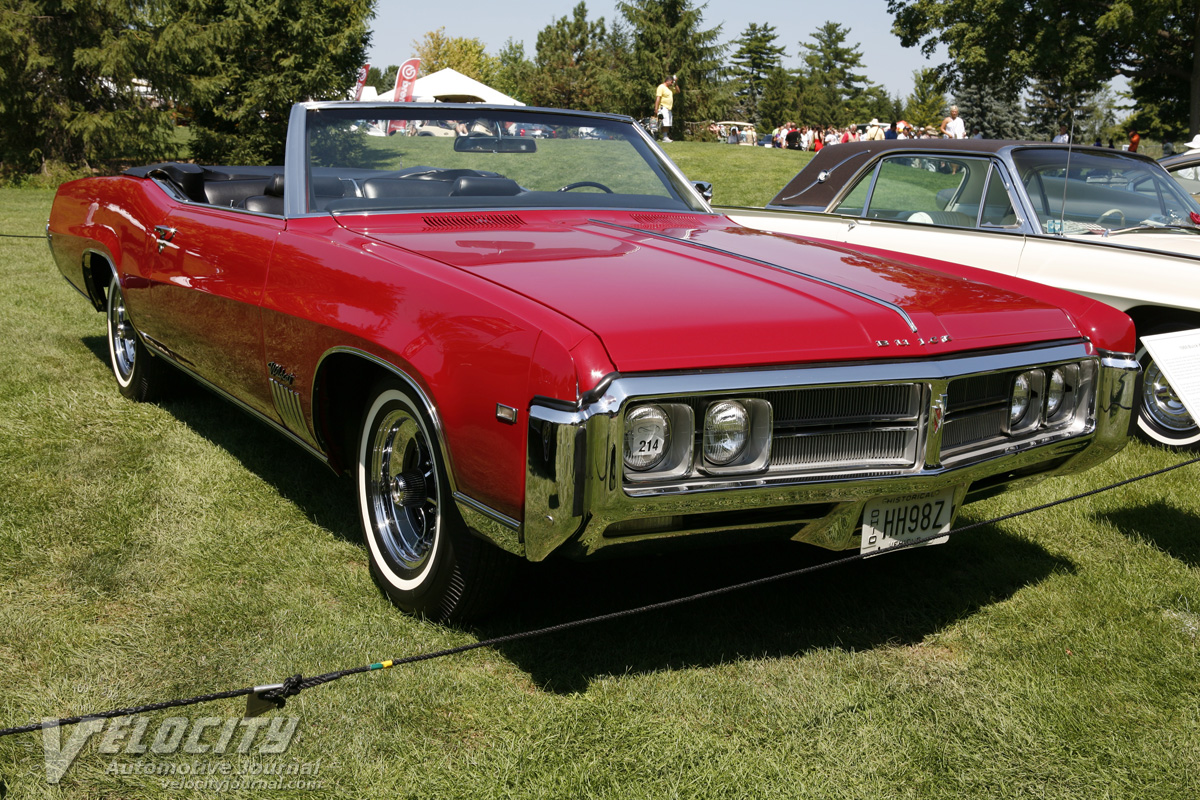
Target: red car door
[(206, 287)]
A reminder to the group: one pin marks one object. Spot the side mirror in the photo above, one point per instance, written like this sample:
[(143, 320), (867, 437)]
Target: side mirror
[(705, 189)]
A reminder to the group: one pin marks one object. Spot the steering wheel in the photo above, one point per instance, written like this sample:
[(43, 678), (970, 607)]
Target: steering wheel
[(581, 184), (1110, 213)]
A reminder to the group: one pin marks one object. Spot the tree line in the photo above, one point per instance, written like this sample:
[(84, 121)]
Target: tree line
[(88, 82)]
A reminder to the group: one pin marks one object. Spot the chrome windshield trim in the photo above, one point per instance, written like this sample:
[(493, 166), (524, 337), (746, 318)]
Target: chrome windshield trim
[(912, 326)]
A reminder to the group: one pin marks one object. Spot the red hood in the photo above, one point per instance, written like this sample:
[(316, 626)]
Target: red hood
[(703, 292)]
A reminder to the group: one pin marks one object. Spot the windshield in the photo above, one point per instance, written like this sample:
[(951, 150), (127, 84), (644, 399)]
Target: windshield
[(420, 157), (1098, 192)]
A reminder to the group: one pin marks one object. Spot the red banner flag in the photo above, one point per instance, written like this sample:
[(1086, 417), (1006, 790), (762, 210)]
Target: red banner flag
[(406, 79), (361, 82)]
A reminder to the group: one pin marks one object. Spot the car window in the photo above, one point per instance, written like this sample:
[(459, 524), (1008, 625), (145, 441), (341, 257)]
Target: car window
[(1085, 192), (998, 209), (854, 202), (1188, 177), (937, 190)]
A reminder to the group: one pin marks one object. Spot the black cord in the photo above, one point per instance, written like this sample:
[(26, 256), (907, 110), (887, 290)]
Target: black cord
[(296, 683)]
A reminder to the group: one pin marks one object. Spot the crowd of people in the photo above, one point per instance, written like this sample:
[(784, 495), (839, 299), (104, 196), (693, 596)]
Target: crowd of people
[(805, 137)]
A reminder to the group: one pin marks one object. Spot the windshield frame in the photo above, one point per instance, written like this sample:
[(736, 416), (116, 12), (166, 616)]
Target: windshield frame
[(679, 194)]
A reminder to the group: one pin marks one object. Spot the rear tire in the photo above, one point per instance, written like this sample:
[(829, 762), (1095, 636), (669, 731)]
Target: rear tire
[(1161, 417), (420, 551), (140, 375)]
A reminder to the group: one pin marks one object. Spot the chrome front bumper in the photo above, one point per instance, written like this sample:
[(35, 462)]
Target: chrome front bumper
[(575, 492)]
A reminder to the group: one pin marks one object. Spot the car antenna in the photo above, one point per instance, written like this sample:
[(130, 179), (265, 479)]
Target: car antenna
[(1062, 211)]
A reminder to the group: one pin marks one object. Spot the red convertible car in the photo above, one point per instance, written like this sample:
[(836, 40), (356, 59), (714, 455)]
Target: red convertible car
[(525, 347)]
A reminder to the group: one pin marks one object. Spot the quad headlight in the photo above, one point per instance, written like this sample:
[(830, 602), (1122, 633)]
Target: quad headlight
[(668, 440), (1056, 390), (1022, 393), (647, 437), (1044, 398), (726, 432)]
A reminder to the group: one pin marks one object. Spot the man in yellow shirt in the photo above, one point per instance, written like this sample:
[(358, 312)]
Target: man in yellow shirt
[(664, 99)]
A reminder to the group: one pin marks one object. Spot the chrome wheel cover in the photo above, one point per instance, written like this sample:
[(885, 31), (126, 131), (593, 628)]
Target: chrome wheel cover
[(402, 489), (1162, 404), (122, 339)]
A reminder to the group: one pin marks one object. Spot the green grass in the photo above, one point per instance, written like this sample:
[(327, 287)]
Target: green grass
[(149, 552), (741, 176)]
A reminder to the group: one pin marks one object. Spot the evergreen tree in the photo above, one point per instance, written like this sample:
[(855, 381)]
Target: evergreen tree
[(837, 92), (384, 80), (778, 102), (668, 39), (240, 65), (514, 72), (997, 115), (927, 103), (72, 85), (570, 63), (756, 57)]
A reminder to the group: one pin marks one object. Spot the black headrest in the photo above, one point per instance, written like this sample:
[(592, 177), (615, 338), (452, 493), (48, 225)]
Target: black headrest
[(485, 187), (275, 185)]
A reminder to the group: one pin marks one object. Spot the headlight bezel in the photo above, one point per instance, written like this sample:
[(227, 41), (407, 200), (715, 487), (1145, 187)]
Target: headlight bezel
[(676, 459), (756, 454)]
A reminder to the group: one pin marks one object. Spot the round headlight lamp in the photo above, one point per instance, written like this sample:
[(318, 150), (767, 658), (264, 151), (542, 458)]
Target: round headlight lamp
[(647, 437), (1056, 390), (726, 431), (1021, 392)]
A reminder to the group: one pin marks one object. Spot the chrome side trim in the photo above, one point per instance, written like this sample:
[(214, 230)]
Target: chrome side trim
[(287, 403), (912, 326), (498, 528), (419, 393), (574, 487), (212, 387)]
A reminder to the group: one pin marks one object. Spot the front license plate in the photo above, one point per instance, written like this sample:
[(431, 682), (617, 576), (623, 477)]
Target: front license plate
[(892, 521)]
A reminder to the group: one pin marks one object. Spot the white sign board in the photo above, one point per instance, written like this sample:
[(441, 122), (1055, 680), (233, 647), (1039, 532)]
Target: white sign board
[(1178, 356)]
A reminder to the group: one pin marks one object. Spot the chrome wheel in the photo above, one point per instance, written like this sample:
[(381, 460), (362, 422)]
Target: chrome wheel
[(403, 489), (420, 552), (140, 376), (122, 339), (1161, 415), (1162, 403)]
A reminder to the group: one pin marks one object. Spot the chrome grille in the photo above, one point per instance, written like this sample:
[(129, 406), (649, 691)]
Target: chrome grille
[(976, 410), (839, 428), (895, 448)]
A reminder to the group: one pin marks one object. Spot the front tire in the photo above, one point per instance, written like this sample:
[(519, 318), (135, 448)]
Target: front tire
[(1161, 417), (140, 376), (420, 552)]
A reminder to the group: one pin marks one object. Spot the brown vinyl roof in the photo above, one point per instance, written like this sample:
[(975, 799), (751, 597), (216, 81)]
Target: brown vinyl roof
[(842, 162)]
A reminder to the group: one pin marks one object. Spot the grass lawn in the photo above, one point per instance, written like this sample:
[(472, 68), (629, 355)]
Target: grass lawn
[(149, 552)]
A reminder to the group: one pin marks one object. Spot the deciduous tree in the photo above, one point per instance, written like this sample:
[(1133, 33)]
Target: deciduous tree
[(1078, 45), (469, 56)]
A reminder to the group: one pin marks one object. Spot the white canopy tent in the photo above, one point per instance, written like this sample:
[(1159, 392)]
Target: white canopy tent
[(451, 86)]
